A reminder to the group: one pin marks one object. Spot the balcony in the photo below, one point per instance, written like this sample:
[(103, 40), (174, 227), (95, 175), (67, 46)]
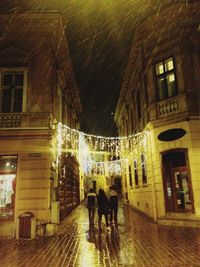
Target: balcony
[(171, 105), (25, 120)]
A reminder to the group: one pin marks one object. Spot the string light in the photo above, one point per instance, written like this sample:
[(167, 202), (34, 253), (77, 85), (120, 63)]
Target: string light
[(85, 147), (96, 168)]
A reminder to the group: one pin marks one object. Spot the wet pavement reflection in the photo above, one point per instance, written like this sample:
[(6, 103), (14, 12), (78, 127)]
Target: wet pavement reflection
[(136, 241)]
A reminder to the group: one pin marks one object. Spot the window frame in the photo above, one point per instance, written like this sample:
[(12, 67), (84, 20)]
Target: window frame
[(130, 176), (143, 169), (164, 76), (11, 70), (136, 176)]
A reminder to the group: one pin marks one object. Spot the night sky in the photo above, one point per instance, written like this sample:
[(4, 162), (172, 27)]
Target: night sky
[(100, 35)]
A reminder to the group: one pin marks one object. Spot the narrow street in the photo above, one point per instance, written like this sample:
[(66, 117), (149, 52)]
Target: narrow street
[(138, 242)]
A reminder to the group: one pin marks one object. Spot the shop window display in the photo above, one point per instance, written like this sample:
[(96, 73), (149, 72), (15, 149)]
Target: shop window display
[(7, 186)]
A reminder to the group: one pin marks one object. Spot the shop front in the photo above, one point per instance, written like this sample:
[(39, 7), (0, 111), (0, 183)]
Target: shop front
[(8, 172), (177, 181)]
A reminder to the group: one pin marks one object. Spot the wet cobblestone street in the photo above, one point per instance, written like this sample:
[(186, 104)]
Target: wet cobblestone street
[(138, 242)]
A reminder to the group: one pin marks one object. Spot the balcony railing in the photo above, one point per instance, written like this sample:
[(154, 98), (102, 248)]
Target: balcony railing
[(171, 105), (25, 120)]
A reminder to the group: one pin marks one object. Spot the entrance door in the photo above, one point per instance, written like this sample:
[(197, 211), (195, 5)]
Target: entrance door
[(182, 195), (176, 181)]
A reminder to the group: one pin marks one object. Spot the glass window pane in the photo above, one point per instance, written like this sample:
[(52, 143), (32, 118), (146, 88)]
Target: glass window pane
[(7, 80), (169, 64), (12, 92), (144, 177), (161, 91), (6, 100), (136, 173), (19, 79), (7, 191), (171, 85), (135, 164), (159, 68), (130, 176), (18, 100)]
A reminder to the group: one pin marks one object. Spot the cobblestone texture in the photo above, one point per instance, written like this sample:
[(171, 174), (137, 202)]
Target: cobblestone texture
[(137, 242)]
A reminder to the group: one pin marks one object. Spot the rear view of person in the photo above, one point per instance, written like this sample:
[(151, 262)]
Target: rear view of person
[(103, 208), (91, 203), (113, 205)]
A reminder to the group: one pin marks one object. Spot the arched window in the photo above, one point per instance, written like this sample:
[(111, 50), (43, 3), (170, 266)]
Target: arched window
[(130, 176), (136, 173), (143, 166)]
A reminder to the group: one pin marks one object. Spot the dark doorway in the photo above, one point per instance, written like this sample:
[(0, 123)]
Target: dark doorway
[(118, 184), (177, 181)]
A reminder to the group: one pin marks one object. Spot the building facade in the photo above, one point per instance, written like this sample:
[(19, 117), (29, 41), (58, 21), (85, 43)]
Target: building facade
[(37, 91), (160, 96)]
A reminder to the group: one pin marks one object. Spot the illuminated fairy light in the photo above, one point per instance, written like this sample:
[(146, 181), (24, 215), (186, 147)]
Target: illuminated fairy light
[(86, 147), (99, 168), (84, 152)]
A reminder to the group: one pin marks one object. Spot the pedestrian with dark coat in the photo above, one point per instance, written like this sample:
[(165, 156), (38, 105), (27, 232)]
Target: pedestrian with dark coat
[(103, 207), (113, 205), (91, 205)]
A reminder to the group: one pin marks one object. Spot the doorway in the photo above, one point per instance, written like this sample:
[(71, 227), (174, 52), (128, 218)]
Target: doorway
[(177, 181)]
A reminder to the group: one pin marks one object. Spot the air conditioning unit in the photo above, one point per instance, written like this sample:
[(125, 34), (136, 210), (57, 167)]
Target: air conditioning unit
[(55, 212), (26, 226)]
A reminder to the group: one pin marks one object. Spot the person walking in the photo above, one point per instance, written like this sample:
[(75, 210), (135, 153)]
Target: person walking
[(103, 208), (113, 205), (91, 204)]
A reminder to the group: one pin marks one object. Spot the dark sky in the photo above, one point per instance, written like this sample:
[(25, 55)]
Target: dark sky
[(100, 34)]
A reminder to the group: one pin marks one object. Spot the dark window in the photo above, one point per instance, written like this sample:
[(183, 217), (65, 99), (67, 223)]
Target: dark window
[(166, 79), (12, 92), (6, 100), (143, 165), (130, 176), (136, 173), (176, 159)]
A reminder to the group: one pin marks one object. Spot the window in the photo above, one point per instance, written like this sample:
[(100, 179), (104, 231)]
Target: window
[(130, 176), (136, 173), (8, 165), (12, 84), (143, 166), (165, 79)]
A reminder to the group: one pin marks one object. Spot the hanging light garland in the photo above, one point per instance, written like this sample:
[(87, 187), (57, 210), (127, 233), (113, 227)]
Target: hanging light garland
[(96, 168), (84, 146)]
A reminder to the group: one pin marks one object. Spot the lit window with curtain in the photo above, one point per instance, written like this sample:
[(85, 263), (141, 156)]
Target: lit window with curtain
[(165, 79)]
